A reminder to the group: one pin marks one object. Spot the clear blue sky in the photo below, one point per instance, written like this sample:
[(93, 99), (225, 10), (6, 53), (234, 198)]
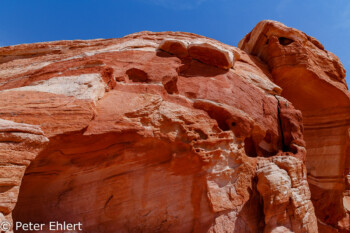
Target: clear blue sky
[(27, 21)]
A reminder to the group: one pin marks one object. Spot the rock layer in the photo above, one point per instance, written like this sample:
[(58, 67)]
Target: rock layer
[(170, 132), (19, 145)]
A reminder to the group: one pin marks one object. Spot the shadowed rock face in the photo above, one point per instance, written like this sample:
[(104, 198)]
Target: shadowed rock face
[(172, 132)]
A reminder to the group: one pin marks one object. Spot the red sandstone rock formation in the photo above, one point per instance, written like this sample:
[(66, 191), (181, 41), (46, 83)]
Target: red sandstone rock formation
[(313, 80), (175, 132)]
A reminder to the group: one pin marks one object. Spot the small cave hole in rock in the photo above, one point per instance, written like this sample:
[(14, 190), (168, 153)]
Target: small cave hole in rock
[(191, 95), (219, 114), (249, 147), (233, 124), (266, 146), (220, 119), (137, 75), (202, 135), (285, 41), (170, 85)]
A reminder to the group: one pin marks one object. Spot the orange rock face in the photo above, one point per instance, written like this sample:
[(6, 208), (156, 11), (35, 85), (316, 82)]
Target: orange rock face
[(175, 132), (313, 80)]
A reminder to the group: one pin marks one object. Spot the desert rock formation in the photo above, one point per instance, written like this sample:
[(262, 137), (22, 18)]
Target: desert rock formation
[(175, 132), (313, 80)]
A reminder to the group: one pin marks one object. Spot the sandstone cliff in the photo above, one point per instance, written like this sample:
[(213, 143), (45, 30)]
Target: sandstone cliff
[(175, 132)]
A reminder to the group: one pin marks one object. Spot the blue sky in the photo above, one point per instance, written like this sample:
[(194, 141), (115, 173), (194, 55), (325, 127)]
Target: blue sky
[(28, 21)]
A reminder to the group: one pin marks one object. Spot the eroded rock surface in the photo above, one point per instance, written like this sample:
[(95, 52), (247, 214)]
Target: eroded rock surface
[(313, 79), (172, 132), (19, 145)]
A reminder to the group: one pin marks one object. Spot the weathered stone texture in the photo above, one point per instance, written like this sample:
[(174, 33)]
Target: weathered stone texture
[(175, 132)]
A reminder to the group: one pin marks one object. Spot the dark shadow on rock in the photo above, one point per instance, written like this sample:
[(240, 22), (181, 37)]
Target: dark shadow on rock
[(193, 68), (251, 218)]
